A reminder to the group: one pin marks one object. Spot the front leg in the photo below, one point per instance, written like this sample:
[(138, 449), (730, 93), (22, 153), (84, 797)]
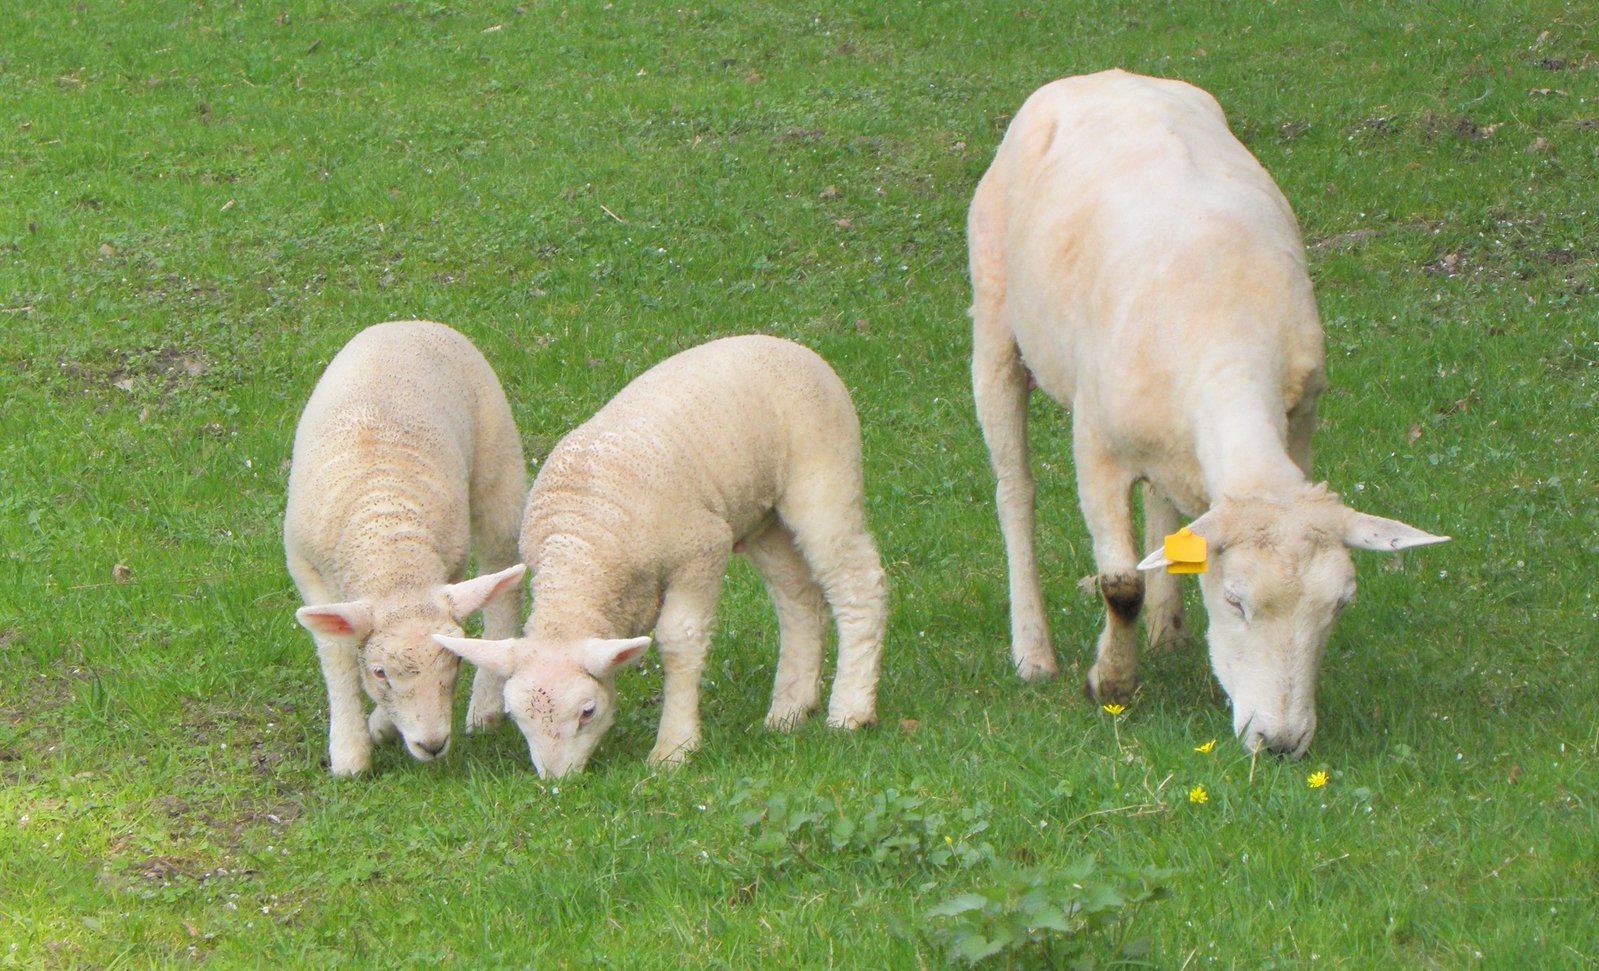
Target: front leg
[(487, 708), (683, 636), (1164, 626), (349, 746), (1104, 490), (380, 727)]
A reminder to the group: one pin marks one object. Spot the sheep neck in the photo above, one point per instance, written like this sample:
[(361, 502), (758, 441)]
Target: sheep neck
[(573, 598), (1241, 440)]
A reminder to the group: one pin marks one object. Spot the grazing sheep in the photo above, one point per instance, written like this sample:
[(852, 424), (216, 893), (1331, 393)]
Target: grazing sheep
[(747, 444), (1132, 259), (405, 448)]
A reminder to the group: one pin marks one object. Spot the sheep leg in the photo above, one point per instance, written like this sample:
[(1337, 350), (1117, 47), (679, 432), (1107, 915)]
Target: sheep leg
[(380, 727), (486, 709), (1163, 592), (801, 616), (683, 636), (1104, 491), (1301, 424), (1000, 388), (829, 529), (497, 518), (349, 745)]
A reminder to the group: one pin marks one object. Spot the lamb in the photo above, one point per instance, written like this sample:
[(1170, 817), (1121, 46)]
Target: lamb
[(406, 447), (746, 444), (1132, 259)]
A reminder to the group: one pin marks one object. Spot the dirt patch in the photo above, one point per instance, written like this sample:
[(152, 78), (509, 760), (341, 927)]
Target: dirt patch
[(167, 869), (1434, 125), (1291, 130), (801, 135), (1447, 265), (1374, 125), (167, 369), (1339, 242)]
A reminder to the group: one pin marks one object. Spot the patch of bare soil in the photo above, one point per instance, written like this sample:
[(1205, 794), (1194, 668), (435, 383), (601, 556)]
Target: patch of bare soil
[(1434, 125), (167, 368), (1339, 242)]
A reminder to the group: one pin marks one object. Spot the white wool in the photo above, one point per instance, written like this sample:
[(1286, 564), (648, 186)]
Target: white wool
[(405, 452), (1131, 258), (746, 444)]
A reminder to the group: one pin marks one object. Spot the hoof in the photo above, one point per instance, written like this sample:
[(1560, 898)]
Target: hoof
[(379, 728), (1037, 668), (477, 724), (1109, 691), (348, 766), (671, 756), (1166, 637), (852, 722), (787, 720)]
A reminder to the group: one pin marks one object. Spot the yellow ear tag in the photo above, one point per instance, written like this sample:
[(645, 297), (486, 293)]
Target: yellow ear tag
[(1186, 551)]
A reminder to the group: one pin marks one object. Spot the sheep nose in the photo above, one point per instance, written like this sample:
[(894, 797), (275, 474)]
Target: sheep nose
[(431, 748), (1280, 745)]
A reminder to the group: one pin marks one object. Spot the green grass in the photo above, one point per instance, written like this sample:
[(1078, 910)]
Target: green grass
[(200, 203)]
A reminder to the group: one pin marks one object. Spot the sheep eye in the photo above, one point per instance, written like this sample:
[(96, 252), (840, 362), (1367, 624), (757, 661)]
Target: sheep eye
[(381, 675), (1235, 602), (587, 713)]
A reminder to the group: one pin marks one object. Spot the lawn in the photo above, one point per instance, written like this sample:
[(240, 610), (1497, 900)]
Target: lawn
[(201, 202)]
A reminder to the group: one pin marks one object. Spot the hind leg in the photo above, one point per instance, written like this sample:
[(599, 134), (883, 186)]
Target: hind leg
[(801, 616), (1163, 592), (829, 529), (1000, 389), (1301, 425)]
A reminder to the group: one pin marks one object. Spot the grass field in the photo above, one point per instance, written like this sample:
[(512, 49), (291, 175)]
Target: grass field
[(201, 202)]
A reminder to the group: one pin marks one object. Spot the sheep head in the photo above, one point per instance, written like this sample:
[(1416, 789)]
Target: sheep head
[(402, 669), (1279, 575), (561, 694)]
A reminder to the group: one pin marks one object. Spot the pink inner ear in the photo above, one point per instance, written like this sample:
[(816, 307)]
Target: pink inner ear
[(331, 624), (627, 657)]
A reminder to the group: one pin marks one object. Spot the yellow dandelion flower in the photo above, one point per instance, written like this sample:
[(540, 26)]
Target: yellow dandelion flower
[(1198, 796), (1113, 709), (1206, 748), (1316, 780)]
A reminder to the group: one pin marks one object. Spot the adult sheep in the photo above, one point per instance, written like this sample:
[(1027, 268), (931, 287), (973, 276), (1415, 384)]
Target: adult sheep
[(1132, 259), (404, 451), (746, 444)]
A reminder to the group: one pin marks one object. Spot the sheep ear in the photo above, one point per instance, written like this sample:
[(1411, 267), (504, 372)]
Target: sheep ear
[(471, 595), (353, 619), (1207, 526), (1365, 532), (604, 658), (1155, 561), (496, 656)]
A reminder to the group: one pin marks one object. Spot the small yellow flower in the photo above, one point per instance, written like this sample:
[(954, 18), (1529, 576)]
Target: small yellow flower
[(1198, 796), (1316, 780), (1206, 748), (1113, 709)]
